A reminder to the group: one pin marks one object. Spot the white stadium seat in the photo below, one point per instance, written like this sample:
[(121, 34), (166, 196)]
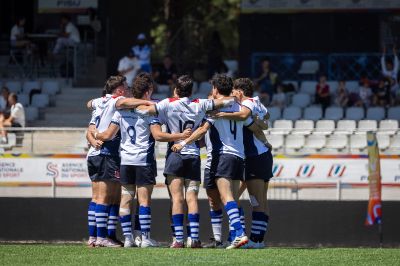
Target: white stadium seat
[(292, 113), (40, 100), (354, 113), (346, 126), (23, 99), (50, 87), (30, 85), (282, 127), (313, 113), (336, 142), (389, 126), (368, 125), (375, 113), (301, 100), (383, 140), (394, 113), (324, 127), (303, 127), (394, 147), (31, 113), (334, 113), (315, 141), (358, 143), (294, 142), (274, 112), (308, 87), (13, 86), (276, 141)]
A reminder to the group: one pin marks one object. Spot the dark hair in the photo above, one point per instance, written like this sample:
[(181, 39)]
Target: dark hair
[(140, 86), (66, 17), (184, 86), (113, 82), (14, 96), (4, 88), (222, 83), (244, 84), (19, 18)]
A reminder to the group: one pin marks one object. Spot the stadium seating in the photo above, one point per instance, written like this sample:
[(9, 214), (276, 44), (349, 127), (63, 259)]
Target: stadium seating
[(308, 87), (336, 143), (334, 113), (303, 127), (358, 143), (31, 113), (375, 113), (352, 86), (301, 100), (163, 89), (13, 86), (313, 113), (394, 147), (315, 142), (388, 126), (282, 127), (40, 100), (394, 113), (292, 113), (346, 127), (276, 140), (383, 140), (50, 87), (354, 113), (333, 86), (29, 86), (324, 127), (294, 143), (275, 113), (205, 86), (367, 125), (23, 99)]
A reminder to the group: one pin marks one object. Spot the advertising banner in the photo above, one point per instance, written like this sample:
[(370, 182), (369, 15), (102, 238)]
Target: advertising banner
[(65, 6)]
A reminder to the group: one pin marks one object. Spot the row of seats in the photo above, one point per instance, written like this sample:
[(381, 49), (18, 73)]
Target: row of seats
[(38, 100), (336, 143), (334, 113), (327, 127), (309, 87), (50, 87)]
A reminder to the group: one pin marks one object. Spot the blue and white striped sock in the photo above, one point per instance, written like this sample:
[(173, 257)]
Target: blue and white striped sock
[(188, 229), (126, 224), (145, 221), (101, 220), (258, 226), (92, 219), (173, 230), (242, 219), (194, 224), (232, 210), (232, 233), (177, 219), (216, 223), (112, 220)]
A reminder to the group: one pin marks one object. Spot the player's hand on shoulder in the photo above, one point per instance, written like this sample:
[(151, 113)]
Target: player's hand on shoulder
[(186, 133), (98, 144), (177, 148)]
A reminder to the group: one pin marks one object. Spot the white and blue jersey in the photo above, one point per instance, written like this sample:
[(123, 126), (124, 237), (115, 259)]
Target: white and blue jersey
[(252, 145), (226, 136), (137, 143), (105, 108), (182, 113), (94, 121), (208, 149)]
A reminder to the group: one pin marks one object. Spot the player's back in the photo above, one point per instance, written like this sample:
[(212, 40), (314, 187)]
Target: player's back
[(226, 136)]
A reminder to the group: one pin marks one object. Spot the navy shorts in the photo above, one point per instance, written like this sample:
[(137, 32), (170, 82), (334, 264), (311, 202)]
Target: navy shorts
[(209, 183), (259, 167), (183, 165), (227, 165), (138, 175), (103, 168)]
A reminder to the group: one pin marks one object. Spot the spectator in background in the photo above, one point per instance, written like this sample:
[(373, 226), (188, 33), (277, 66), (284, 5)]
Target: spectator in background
[(342, 95), (382, 93), (128, 67), (279, 98), (364, 94), (322, 94), (142, 51), (214, 56), (17, 36), (69, 35), (266, 81), (167, 73), (4, 106), (16, 119), (390, 68)]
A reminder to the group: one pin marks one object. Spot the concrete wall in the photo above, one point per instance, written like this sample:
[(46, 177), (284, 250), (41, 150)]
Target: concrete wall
[(292, 223)]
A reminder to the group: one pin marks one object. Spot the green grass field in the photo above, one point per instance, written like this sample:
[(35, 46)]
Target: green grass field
[(79, 254)]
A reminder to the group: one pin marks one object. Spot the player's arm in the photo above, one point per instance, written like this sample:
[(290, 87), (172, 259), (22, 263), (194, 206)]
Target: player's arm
[(89, 104), (108, 134), (161, 136), (132, 103), (196, 135), (242, 115), (90, 138), (257, 131), (262, 122), (225, 101)]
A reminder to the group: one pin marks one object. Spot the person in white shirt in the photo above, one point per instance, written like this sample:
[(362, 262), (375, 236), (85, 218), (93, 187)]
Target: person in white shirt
[(17, 35), (279, 98), (69, 36), (143, 52), (16, 119), (128, 67), (390, 68)]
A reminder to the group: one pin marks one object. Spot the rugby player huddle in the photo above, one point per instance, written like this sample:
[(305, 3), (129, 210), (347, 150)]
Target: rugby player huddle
[(122, 162)]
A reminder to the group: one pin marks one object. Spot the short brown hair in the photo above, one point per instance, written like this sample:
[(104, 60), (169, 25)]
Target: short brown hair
[(140, 86), (222, 83), (184, 86), (114, 82), (245, 85)]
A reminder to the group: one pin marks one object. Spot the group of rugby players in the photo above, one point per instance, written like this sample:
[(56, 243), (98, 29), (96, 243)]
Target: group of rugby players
[(122, 163)]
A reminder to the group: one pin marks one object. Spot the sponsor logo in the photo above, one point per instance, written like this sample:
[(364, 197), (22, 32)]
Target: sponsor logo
[(277, 170), (364, 177), (305, 170), (52, 170), (337, 170), (397, 178)]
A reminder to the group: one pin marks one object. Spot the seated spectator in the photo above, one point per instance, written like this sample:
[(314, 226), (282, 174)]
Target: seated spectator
[(279, 98), (390, 68), (128, 67), (4, 106), (364, 94), (17, 36), (342, 95), (143, 52), (382, 93), (322, 94), (68, 37), (167, 73), (16, 119), (266, 81)]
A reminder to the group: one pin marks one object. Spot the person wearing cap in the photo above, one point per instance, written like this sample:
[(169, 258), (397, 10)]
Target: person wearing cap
[(143, 52), (128, 67)]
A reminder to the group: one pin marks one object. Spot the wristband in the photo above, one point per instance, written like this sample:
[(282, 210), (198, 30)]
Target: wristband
[(183, 143)]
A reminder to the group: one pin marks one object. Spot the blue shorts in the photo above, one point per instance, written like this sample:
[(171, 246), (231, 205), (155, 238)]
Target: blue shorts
[(259, 167), (103, 168), (209, 183), (138, 175), (183, 165), (228, 166)]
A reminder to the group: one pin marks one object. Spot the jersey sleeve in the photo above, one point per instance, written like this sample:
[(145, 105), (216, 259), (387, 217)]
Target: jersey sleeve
[(206, 105), (248, 122), (116, 119), (161, 107), (249, 104), (153, 120), (209, 120)]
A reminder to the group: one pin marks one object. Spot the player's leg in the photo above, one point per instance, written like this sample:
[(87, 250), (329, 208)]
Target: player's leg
[(92, 171), (175, 185), (216, 216), (113, 214), (237, 190)]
